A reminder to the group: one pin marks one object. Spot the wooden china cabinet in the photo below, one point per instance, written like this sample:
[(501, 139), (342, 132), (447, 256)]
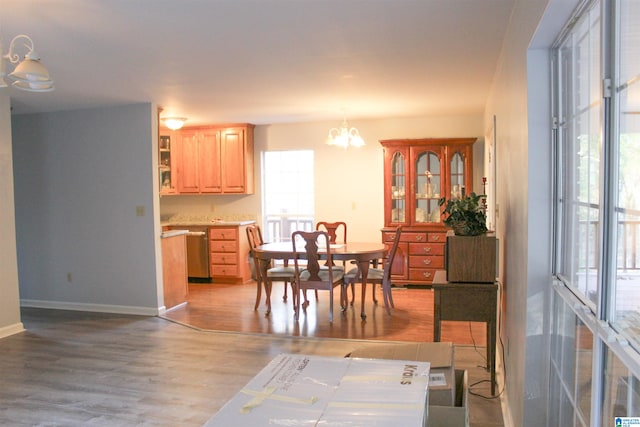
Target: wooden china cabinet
[(417, 173)]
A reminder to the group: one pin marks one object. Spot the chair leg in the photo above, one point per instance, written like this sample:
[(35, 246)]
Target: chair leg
[(284, 297), (268, 284), (373, 294), (258, 294), (330, 304), (353, 293)]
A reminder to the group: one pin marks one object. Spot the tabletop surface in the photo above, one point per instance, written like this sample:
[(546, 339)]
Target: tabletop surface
[(351, 248)]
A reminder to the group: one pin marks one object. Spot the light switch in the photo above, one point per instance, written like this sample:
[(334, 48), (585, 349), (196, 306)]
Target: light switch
[(139, 210)]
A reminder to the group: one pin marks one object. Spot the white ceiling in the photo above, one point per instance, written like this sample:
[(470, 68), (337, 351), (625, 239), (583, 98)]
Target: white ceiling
[(263, 61)]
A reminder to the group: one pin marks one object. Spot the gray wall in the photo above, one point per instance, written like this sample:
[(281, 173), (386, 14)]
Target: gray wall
[(79, 178)]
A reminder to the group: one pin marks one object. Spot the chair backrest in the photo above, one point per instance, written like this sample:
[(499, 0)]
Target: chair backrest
[(334, 230), (254, 236), (306, 245), (388, 264)]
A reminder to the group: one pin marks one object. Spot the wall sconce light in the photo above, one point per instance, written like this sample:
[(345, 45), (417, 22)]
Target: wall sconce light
[(29, 74), (345, 136), (174, 123)]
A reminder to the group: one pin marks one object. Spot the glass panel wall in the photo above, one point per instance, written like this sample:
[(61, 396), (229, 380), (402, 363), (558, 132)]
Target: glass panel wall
[(595, 347), (627, 279)]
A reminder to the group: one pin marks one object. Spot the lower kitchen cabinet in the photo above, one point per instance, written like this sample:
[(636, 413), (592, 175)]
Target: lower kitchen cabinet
[(229, 254)]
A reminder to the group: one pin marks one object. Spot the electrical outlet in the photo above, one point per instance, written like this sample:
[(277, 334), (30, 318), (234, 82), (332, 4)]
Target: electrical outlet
[(69, 278), (139, 210)]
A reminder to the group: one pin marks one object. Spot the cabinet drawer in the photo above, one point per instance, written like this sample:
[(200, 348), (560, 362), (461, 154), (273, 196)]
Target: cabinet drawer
[(223, 258), (437, 237), (223, 246), (426, 249), (436, 262), (413, 236), (224, 270), (221, 233), (422, 274)]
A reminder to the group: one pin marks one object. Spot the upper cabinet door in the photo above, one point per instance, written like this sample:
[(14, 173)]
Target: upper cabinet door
[(233, 156), (188, 162), (209, 161)]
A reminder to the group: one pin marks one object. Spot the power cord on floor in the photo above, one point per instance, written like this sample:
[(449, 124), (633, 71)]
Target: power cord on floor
[(504, 368)]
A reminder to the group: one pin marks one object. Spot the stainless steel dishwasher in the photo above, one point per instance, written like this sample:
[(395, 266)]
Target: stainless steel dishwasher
[(198, 253)]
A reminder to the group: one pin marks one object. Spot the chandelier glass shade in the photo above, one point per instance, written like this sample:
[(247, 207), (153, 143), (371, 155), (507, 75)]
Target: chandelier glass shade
[(29, 74), (345, 136), (174, 123)]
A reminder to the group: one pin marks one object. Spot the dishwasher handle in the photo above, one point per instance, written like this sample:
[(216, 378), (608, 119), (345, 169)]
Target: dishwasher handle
[(196, 233)]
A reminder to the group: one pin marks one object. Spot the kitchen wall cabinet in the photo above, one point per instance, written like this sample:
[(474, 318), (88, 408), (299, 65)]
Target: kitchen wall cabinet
[(417, 173), (215, 160)]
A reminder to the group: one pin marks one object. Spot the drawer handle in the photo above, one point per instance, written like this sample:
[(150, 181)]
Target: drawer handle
[(427, 275), (427, 262), (427, 249), (419, 238), (436, 238)]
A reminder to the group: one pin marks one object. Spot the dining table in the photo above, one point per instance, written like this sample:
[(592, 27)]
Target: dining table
[(363, 253)]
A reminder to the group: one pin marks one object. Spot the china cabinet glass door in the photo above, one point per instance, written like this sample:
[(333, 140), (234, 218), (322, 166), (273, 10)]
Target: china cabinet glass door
[(428, 184), (398, 188), (457, 176)]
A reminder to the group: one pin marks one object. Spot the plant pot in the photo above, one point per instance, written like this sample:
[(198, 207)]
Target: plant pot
[(461, 229)]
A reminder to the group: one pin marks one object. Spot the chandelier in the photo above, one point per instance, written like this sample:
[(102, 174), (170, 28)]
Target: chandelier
[(345, 136), (29, 74)]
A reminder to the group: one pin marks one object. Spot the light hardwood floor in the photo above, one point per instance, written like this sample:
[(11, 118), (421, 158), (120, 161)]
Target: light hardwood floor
[(80, 369)]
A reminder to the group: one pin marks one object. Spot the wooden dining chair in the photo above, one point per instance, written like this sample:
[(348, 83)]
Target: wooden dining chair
[(274, 274), (337, 232), (381, 276), (310, 274)]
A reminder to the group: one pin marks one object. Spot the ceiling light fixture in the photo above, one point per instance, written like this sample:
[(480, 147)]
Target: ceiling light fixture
[(29, 74), (174, 123), (345, 137)]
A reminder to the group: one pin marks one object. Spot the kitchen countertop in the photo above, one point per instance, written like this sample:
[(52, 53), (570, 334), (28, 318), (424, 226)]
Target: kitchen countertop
[(173, 233), (208, 224), (207, 220)]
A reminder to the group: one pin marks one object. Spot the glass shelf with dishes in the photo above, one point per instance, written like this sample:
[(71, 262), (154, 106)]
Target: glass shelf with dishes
[(398, 194), (165, 163), (428, 181)]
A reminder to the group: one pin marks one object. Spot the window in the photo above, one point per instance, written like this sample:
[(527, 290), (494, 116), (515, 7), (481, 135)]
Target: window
[(288, 196), (595, 345)]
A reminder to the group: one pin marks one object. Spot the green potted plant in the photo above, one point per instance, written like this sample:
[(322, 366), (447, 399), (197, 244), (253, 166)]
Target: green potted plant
[(465, 215)]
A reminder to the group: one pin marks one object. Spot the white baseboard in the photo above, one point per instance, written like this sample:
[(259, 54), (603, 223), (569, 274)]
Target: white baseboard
[(5, 331), (100, 308), (507, 419)]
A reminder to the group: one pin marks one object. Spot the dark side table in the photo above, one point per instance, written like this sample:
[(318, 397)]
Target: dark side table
[(470, 302)]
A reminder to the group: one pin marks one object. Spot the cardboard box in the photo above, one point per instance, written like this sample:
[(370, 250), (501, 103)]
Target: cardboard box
[(442, 384), (301, 390), (456, 415)]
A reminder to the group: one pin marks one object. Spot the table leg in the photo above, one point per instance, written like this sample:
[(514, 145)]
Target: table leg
[(491, 354), (364, 274), (436, 315)]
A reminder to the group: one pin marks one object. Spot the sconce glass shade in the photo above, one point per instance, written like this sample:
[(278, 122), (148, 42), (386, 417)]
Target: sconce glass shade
[(174, 123), (32, 76), (29, 74), (345, 137)]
